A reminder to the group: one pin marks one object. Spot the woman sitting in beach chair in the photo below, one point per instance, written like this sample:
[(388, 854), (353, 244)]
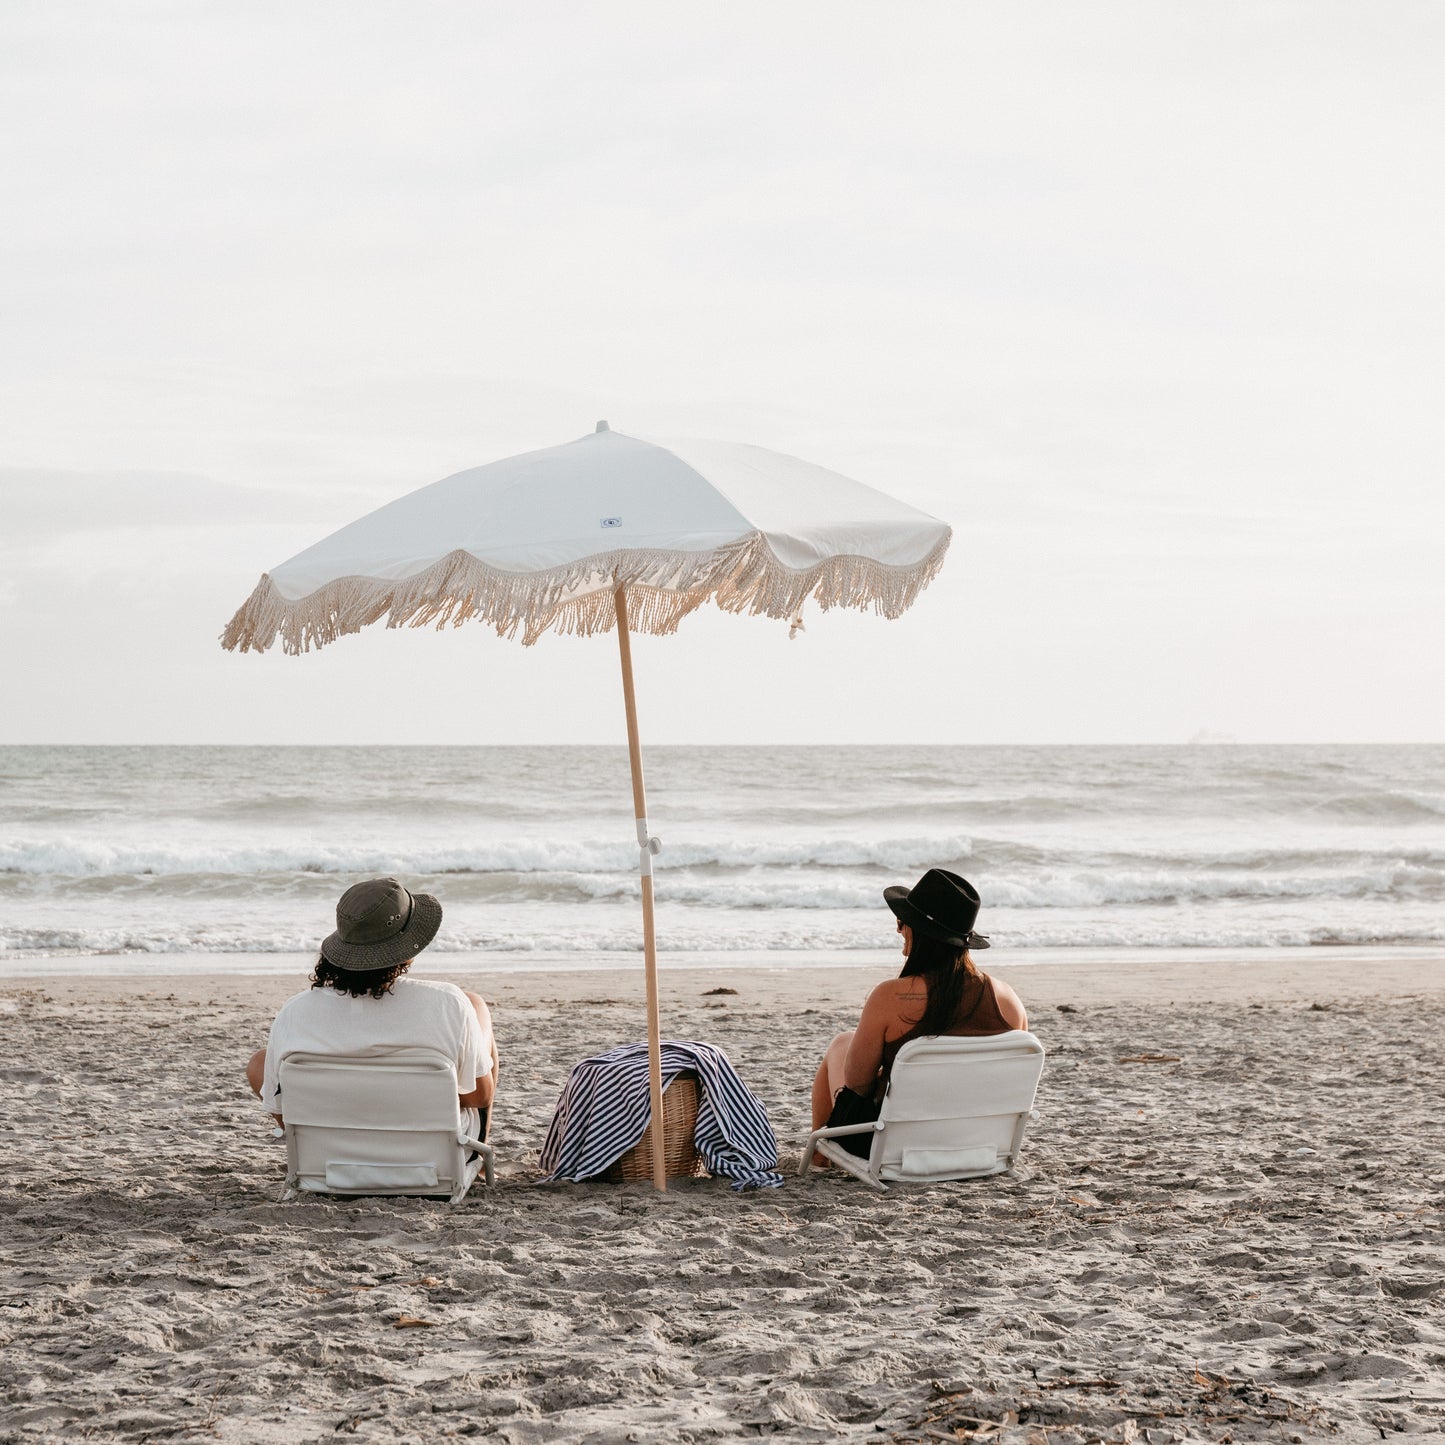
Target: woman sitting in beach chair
[(359, 1003), (940, 991)]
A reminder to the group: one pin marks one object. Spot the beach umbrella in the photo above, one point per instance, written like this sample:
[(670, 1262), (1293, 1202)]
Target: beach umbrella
[(607, 531)]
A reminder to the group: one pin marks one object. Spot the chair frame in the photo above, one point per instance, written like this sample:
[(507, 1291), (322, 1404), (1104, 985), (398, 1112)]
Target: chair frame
[(482, 1155), (869, 1170)]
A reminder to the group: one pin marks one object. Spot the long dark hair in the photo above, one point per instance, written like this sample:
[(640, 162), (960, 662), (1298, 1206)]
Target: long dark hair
[(947, 969)]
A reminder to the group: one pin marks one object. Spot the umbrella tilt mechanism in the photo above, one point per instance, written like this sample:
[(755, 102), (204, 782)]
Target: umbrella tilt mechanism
[(649, 846)]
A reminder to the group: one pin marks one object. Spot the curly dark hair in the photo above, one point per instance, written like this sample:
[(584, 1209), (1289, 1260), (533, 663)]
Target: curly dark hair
[(356, 982)]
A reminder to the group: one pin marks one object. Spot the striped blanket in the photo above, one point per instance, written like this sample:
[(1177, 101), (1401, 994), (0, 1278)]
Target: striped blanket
[(605, 1106)]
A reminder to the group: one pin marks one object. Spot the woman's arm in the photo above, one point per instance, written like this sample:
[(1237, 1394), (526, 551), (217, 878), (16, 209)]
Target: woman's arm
[(865, 1053)]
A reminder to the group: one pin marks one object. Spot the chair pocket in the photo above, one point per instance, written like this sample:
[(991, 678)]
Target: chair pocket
[(924, 1163), (347, 1174)]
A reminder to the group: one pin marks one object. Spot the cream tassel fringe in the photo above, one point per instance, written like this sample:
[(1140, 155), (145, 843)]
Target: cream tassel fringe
[(662, 588)]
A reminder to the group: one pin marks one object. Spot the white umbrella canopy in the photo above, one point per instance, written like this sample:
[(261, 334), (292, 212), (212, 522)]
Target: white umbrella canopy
[(609, 530), (543, 540)]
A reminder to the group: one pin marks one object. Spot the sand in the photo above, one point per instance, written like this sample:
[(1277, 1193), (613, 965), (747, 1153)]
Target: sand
[(1244, 1244)]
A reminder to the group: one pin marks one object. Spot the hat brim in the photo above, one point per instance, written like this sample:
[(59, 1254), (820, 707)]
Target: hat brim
[(421, 928), (896, 897)]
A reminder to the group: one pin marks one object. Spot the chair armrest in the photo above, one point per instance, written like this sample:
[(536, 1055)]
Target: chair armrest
[(836, 1132), (485, 1151)]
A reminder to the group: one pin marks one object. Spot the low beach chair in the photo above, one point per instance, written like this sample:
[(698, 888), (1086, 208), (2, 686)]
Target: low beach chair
[(956, 1108), (380, 1123)]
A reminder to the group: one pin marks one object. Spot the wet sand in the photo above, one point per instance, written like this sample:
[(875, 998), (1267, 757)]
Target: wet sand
[(1244, 1243)]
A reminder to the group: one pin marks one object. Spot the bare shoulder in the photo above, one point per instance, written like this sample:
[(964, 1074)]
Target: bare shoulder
[(898, 1000), (1010, 1005), (883, 990), (887, 994)]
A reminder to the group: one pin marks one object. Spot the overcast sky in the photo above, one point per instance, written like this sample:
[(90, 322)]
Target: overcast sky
[(1146, 301)]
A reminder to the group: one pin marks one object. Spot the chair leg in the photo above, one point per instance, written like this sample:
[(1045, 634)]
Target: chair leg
[(1016, 1144), (806, 1167), (481, 1160), (841, 1159)]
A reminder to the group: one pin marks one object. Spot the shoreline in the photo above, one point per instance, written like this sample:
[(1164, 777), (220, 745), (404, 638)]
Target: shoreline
[(1335, 966)]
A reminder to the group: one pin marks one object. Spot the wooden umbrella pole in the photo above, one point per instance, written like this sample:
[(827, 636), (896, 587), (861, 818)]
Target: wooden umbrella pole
[(649, 930)]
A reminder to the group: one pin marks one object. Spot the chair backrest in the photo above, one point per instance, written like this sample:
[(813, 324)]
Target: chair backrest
[(957, 1107), (382, 1122)]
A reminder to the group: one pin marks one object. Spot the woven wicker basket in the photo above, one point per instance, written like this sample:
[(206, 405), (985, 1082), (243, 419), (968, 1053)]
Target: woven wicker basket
[(679, 1107)]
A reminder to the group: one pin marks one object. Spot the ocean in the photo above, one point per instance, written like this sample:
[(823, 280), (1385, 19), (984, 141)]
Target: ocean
[(126, 857)]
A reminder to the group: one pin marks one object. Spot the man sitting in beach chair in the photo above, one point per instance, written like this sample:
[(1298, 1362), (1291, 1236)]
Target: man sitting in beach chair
[(359, 1003)]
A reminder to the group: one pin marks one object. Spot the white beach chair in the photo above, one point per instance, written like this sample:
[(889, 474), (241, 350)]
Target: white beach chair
[(379, 1123), (956, 1108)]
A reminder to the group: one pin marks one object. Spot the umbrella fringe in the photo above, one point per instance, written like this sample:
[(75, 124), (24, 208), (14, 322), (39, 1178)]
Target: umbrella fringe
[(662, 588)]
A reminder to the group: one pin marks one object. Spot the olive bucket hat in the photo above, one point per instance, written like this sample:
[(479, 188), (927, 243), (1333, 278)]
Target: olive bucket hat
[(940, 904), (380, 923)]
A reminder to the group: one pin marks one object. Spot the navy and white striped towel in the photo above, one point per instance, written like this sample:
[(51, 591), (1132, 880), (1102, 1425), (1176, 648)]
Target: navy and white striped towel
[(605, 1105)]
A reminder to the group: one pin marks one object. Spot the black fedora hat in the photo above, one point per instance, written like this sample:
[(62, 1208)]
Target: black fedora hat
[(380, 923), (940, 904)]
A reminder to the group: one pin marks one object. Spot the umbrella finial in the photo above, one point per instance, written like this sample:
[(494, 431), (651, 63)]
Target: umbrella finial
[(602, 426)]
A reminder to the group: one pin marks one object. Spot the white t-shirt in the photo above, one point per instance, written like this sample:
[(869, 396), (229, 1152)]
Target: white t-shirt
[(418, 1012)]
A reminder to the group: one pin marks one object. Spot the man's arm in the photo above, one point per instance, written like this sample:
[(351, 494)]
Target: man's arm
[(486, 1089), (256, 1076)]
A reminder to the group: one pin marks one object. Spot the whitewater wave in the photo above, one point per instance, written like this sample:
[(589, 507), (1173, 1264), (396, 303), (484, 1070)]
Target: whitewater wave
[(1052, 891), (1390, 880), (730, 889), (778, 936), (1118, 874), (80, 857)]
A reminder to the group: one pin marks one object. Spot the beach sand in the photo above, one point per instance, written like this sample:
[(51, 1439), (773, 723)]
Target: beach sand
[(1243, 1244)]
